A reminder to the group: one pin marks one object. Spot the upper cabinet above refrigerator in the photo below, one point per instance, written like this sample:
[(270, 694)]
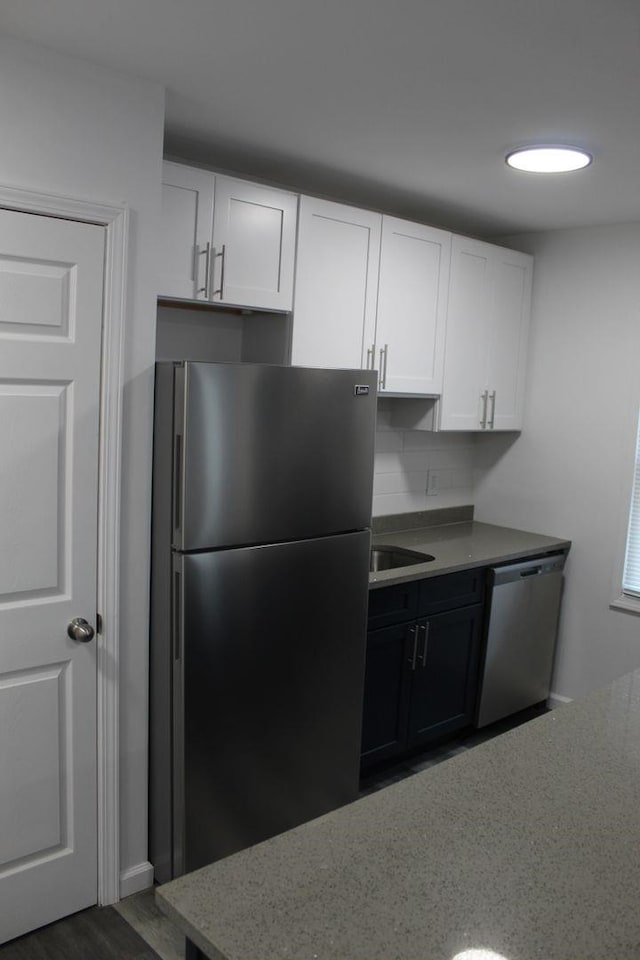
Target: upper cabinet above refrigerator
[(226, 241), (334, 312), (412, 307)]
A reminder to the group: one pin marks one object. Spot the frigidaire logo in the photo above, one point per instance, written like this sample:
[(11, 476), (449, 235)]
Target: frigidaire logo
[(360, 389)]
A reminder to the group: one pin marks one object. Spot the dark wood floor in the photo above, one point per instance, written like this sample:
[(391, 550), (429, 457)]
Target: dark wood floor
[(96, 934)]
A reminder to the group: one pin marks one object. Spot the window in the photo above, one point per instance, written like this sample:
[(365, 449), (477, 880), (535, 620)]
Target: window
[(631, 574)]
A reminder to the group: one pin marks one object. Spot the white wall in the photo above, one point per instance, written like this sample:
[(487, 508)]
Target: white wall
[(569, 473), (71, 128)]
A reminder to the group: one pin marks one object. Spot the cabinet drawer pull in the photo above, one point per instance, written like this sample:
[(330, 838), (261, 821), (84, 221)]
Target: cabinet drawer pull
[(483, 419), (414, 655), (425, 629)]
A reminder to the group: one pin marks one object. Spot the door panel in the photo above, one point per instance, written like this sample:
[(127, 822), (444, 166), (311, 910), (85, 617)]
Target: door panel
[(50, 327), (33, 433)]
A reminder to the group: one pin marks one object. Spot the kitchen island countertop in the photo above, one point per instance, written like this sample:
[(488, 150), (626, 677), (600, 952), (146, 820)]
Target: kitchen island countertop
[(459, 546), (525, 846)]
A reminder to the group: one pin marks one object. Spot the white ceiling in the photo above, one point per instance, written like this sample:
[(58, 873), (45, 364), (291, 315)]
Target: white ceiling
[(402, 105)]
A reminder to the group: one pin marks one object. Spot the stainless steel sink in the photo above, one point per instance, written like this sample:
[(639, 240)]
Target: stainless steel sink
[(391, 557)]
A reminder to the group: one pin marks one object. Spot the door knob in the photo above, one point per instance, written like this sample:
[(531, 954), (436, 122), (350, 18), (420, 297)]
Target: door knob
[(79, 629)]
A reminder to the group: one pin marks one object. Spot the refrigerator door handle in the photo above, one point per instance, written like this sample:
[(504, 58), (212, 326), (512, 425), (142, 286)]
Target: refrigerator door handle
[(177, 616), (177, 485)]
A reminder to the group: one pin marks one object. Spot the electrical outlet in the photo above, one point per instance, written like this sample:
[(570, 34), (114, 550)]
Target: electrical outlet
[(433, 482)]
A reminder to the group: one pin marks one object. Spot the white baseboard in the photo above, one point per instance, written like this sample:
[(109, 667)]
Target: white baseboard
[(556, 700), (136, 878)]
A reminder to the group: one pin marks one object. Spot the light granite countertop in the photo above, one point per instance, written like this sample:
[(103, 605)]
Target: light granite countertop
[(526, 847), (455, 545)]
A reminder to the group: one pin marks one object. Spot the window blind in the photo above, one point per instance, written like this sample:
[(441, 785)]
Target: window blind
[(631, 575)]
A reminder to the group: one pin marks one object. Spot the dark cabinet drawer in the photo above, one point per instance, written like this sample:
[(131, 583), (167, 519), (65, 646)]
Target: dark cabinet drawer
[(450, 591), (393, 604)]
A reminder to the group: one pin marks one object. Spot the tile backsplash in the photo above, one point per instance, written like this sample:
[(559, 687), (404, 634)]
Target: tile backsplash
[(407, 462)]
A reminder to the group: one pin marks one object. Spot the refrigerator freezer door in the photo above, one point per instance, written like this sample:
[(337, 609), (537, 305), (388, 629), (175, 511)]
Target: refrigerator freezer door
[(273, 666), (270, 454)]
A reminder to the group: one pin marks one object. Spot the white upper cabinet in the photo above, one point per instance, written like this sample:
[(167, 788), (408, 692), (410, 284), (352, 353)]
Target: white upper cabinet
[(513, 273), (336, 285), (486, 337), (371, 291), (254, 238), (187, 219), (226, 240), (412, 307)]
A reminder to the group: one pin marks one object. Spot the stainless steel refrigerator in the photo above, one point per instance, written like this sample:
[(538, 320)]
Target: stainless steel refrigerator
[(261, 510)]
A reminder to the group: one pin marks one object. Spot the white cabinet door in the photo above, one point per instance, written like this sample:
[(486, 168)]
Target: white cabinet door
[(336, 285), (486, 343), (506, 366), (463, 403), (254, 235), (412, 305), (225, 240), (187, 218)]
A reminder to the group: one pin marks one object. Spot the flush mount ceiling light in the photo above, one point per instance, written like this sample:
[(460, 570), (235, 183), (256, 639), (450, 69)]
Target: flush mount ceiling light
[(549, 159)]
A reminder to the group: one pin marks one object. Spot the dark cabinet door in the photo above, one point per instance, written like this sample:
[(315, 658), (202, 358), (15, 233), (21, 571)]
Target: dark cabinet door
[(386, 698), (444, 682)]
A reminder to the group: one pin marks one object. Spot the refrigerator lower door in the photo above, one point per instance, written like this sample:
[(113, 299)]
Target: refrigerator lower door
[(272, 667)]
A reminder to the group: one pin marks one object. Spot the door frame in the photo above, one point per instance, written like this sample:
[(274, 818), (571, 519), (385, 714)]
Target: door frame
[(115, 219)]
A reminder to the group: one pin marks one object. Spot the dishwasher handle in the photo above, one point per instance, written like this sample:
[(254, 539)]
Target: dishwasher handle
[(531, 572), (536, 567)]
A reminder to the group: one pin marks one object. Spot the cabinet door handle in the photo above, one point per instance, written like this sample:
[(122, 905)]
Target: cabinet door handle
[(206, 253), (483, 419), (384, 353), (413, 632), (370, 356), (492, 397), (425, 629), (222, 255)]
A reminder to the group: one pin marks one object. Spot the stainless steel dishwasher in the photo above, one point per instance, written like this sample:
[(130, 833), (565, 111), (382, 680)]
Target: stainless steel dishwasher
[(524, 605)]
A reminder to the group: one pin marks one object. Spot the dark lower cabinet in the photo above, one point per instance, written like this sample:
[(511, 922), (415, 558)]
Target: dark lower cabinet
[(444, 681), (422, 674), (387, 684)]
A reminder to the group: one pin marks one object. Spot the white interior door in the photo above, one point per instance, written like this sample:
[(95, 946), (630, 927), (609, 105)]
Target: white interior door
[(51, 282)]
